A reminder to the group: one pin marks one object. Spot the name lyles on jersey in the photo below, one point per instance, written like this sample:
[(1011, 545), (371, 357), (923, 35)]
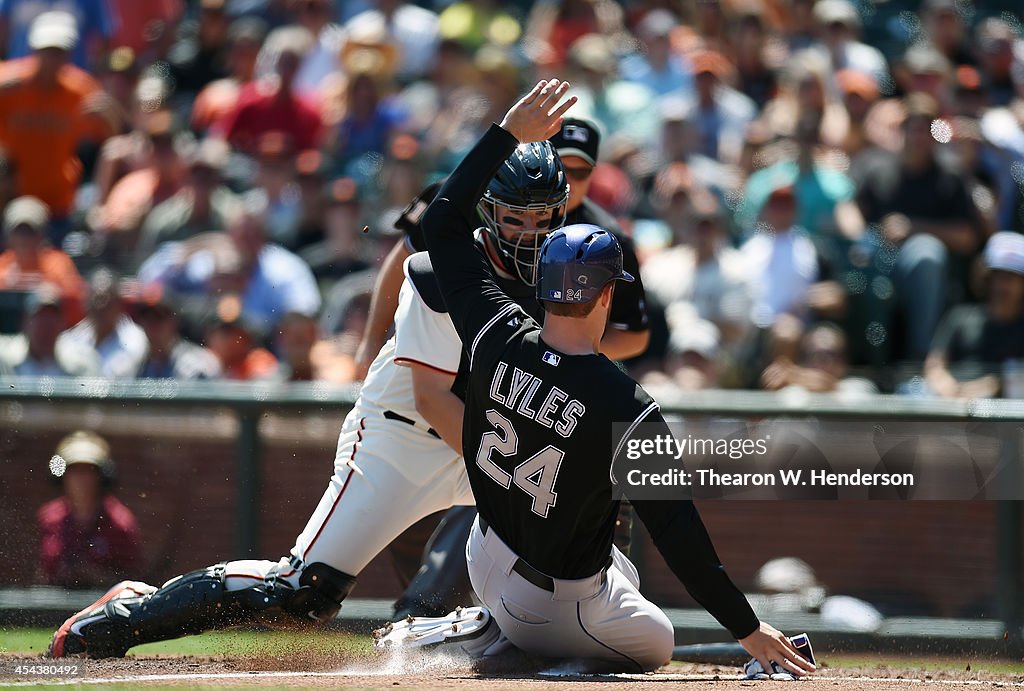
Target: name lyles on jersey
[(518, 392)]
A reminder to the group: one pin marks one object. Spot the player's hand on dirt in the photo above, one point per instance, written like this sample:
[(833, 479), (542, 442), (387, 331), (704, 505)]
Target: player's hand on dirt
[(538, 115), (768, 645)]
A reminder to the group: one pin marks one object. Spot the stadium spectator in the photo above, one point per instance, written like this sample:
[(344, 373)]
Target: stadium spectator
[(235, 341), (87, 536), (553, 27), (944, 28), (199, 53), (785, 272), (271, 104), (620, 107), (270, 280), (994, 39), (34, 351), (118, 342), (701, 277), (476, 23), (217, 99), (922, 210), (323, 61), (48, 107), (275, 186), (339, 253), (93, 21), (203, 204), (118, 222), (171, 356), (369, 122), (823, 366), (404, 27), (973, 342), (721, 114), (656, 65), (839, 24), (29, 260), (757, 57), (146, 28)]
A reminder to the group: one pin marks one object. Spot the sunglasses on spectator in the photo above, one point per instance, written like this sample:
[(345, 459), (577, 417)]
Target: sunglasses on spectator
[(581, 173)]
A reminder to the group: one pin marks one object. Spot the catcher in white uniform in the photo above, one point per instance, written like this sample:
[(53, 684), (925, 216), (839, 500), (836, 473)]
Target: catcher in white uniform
[(392, 466)]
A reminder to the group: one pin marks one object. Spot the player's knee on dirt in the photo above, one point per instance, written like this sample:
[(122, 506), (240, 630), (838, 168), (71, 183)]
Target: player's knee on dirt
[(322, 589), (658, 638)]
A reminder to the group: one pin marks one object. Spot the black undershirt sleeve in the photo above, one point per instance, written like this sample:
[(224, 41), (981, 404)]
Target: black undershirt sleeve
[(474, 300)]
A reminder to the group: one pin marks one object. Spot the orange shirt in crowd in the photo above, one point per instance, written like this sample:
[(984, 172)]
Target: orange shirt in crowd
[(53, 266), (259, 363), (41, 128)]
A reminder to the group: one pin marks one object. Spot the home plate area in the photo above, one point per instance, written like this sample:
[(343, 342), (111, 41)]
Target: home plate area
[(436, 670)]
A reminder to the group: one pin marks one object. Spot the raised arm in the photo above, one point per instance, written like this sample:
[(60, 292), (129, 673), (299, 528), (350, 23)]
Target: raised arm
[(473, 299)]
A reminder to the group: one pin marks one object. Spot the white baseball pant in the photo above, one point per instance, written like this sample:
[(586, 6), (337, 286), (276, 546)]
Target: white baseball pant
[(603, 617)]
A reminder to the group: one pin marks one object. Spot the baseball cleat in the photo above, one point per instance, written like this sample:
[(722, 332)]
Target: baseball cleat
[(462, 625), (101, 629)]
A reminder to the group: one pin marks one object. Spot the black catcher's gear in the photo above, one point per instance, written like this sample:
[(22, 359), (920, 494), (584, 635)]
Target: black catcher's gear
[(531, 180)]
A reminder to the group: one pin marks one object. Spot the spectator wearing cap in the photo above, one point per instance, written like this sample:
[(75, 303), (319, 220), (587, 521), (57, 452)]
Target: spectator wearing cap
[(118, 74), (118, 342), (974, 341), (94, 20), (620, 107), (756, 61), (923, 69), (839, 25), (787, 276), (577, 144), (87, 537), (33, 352), (406, 28), (271, 103), (202, 204), (923, 210), (235, 341), (171, 356), (656, 64), (821, 190), (217, 99), (29, 260), (553, 27), (858, 93), (48, 107)]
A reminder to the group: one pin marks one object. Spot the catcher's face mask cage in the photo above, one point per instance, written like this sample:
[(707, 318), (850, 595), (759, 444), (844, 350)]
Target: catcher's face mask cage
[(526, 199)]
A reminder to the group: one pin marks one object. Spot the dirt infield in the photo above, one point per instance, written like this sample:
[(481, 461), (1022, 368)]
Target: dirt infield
[(436, 671)]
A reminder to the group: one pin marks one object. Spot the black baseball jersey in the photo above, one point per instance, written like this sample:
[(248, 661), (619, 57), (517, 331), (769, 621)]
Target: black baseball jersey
[(537, 431)]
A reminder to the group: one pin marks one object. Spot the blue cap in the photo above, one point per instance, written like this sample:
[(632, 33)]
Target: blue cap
[(576, 262)]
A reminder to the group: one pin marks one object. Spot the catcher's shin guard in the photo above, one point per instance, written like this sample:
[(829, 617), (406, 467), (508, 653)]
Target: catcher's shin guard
[(321, 591)]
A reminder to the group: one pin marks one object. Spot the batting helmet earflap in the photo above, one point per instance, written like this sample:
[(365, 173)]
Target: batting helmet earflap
[(577, 262)]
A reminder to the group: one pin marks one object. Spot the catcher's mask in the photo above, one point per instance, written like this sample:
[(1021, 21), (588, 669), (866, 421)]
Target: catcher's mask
[(525, 200)]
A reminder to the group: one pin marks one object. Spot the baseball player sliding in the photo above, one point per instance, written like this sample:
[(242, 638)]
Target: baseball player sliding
[(540, 404), (397, 458)]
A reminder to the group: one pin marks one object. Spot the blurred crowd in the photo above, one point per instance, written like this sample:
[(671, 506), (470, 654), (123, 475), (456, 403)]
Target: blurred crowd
[(825, 194)]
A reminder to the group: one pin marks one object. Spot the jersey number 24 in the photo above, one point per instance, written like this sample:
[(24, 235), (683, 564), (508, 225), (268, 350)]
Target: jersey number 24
[(536, 475)]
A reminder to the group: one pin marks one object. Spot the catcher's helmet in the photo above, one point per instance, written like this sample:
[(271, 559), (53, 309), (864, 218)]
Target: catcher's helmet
[(530, 182), (576, 262)]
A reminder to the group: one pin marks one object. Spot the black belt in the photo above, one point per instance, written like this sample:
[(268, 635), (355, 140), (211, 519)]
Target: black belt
[(529, 573), (392, 415)]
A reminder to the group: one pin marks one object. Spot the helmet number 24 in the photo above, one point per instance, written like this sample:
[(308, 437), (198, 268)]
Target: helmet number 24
[(536, 475)]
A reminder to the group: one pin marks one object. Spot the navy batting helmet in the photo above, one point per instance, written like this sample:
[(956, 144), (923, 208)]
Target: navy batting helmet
[(576, 262), (526, 199)]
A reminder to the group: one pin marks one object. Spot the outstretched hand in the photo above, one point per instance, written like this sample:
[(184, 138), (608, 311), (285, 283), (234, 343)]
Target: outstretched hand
[(537, 115), (768, 645)]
